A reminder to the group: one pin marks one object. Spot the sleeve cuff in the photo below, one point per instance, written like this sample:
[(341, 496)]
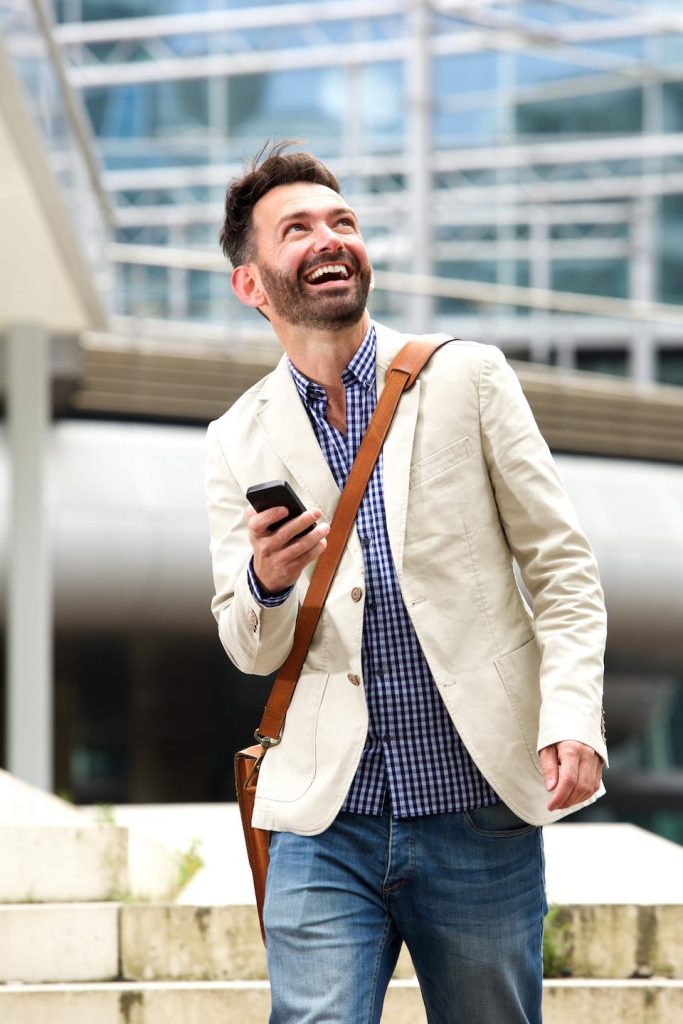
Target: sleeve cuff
[(273, 600)]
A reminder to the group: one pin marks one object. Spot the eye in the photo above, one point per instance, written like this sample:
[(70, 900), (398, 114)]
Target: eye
[(347, 222), (295, 226)]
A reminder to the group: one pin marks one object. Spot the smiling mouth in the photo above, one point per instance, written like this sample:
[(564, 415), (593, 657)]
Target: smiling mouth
[(330, 272)]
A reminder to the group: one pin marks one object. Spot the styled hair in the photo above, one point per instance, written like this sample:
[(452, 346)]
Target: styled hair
[(268, 169)]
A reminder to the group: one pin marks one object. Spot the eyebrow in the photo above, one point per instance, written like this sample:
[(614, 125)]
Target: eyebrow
[(303, 214)]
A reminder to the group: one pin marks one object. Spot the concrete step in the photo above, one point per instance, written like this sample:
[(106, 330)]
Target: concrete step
[(169, 942), (615, 941), (64, 863), (657, 1001), (198, 943), (59, 942)]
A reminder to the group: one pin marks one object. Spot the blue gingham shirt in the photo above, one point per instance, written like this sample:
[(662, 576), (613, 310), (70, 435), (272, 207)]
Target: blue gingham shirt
[(412, 753)]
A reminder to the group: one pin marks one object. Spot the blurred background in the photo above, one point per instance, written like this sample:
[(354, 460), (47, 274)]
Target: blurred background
[(517, 168)]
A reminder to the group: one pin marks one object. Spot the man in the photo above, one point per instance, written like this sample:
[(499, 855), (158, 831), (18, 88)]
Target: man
[(437, 723)]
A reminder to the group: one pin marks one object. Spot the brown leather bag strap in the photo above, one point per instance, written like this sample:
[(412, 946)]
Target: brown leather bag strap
[(401, 375)]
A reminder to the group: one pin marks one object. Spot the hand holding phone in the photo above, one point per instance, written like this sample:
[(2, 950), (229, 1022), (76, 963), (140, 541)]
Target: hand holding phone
[(281, 552), (276, 493)]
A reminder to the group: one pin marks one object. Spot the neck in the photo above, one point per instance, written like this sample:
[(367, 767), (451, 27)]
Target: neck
[(322, 355)]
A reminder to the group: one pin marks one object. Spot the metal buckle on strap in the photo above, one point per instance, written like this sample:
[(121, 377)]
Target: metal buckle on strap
[(266, 741)]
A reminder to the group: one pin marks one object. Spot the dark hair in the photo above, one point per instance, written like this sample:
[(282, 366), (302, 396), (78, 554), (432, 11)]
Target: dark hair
[(269, 168)]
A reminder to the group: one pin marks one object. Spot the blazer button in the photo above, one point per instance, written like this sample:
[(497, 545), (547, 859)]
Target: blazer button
[(356, 593), (253, 620), (353, 678)]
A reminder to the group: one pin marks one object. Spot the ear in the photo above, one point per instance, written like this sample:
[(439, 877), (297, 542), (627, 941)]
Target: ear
[(246, 284)]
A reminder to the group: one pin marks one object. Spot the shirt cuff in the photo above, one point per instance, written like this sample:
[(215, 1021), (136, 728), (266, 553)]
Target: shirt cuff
[(272, 600)]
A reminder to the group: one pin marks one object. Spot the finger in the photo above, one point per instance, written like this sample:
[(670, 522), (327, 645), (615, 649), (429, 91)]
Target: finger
[(259, 522), (568, 776), (549, 766), (291, 530), (301, 545), (590, 774)]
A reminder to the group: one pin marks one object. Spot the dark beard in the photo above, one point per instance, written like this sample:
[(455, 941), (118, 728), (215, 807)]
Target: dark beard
[(332, 310)]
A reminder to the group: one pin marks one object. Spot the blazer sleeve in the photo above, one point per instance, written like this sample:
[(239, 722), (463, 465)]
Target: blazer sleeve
[(256, 638), (556, 561)]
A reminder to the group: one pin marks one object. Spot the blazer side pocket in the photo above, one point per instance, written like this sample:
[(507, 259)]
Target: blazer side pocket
[(519, 673), (288, 769)]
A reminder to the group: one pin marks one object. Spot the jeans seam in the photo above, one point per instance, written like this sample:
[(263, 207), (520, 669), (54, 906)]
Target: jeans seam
[(375, 976)]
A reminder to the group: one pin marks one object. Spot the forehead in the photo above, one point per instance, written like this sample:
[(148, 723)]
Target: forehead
[(285, 200)]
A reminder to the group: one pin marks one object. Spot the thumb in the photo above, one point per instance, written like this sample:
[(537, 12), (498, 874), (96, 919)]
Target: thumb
[(549, 766)]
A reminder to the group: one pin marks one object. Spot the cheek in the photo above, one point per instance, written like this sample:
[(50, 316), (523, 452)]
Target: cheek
[(360, 252)]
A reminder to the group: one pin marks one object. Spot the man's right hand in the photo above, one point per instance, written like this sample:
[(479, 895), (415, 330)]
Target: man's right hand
[(279, 556)]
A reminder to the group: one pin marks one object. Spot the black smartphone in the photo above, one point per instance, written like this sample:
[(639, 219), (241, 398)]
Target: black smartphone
[(275, 493)]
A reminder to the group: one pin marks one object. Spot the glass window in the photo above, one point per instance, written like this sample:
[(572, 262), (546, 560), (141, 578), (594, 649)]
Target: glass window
[(458, 76), (150, 110), (671, 251), (383, 109), (591, 277), (473, 270), (670, 366), (459, 73), (465, 127), (530, 69), (309, 103), (606, 113), (614, 361), (672, 103)]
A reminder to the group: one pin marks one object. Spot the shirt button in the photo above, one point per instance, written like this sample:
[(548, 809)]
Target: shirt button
[(356, 594), (365, 541), (353, 678)]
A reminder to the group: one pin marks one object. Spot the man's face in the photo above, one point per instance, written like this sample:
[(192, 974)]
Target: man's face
[(310, 256)]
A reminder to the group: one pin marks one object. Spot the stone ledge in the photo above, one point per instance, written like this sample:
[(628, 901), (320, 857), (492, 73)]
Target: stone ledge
[(61, 864), (182, 943), (617, 941), (656, 1001), (51, 943)]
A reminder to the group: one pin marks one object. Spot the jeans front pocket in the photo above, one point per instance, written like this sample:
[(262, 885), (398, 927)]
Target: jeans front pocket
[(497, 822)]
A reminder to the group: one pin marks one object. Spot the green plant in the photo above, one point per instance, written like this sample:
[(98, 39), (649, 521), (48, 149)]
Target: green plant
[(189, 863), (557, 944), (105, 814)]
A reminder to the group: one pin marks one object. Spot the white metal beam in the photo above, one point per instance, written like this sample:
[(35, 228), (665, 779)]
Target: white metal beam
[(539, 191), (268, 16), (375, 210), (89, 76), (525, 155), (508, 295)]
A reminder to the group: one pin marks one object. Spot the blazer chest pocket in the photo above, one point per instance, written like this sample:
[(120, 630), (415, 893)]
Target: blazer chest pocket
[(438, 462)]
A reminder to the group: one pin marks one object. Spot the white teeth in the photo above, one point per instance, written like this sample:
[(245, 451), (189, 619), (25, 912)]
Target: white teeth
[(337, 268)]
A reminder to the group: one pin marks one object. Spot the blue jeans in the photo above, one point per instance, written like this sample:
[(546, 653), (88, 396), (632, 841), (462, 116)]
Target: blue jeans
[(464, 891)]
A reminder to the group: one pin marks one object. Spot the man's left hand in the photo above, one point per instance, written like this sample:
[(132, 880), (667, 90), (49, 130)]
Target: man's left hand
[(572, 772)]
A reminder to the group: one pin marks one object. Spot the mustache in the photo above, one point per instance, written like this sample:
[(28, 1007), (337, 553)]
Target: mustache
[(342, 256)]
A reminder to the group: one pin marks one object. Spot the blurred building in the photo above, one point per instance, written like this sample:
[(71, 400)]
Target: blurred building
[(518, 171)]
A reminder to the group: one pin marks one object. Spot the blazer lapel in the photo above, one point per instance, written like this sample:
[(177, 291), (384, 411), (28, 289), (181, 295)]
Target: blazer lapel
[(284, 420)]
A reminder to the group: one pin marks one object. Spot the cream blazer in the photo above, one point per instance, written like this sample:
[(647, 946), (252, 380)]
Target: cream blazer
[(470, 488)]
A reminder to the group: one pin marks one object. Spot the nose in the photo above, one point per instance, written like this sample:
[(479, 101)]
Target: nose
[(326, 238)]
